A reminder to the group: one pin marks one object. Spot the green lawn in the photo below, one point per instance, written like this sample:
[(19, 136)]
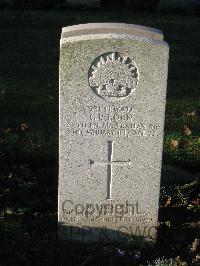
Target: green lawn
[(29, 57)]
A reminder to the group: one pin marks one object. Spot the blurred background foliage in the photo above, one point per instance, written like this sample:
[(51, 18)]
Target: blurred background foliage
[(158, 6)]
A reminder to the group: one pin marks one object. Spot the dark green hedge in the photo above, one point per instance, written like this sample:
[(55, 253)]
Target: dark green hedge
[(30, 4), (160, 6)]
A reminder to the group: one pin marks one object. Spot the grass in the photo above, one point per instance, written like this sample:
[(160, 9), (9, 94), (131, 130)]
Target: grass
[(29, 139), (29, 73)]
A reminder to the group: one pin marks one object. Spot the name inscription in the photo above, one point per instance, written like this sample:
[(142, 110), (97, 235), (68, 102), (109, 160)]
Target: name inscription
[(111, 121)]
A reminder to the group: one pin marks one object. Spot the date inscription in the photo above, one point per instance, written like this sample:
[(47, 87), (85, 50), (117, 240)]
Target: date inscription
[(112, 121)]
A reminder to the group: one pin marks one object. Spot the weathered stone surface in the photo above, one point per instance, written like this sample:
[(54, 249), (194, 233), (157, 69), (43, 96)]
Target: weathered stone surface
[(112, 28), (112, 105)]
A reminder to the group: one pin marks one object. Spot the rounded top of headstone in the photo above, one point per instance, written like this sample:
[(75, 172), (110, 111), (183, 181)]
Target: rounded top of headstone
[(114, 28)]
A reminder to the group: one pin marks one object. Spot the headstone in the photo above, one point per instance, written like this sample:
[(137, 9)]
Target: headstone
[(91, 3), (112, 106)]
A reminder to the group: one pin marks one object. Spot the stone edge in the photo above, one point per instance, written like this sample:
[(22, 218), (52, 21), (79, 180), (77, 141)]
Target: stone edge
[(112, 28), (111, 36)]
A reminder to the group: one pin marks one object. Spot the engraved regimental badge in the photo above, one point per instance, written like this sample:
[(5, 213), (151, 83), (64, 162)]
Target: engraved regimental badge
[(113, 76)]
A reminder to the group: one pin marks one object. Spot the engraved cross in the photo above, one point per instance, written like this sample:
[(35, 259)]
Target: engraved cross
[(110, 163)]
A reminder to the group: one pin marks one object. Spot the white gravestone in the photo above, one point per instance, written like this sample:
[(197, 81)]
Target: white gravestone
[(112, 105)]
